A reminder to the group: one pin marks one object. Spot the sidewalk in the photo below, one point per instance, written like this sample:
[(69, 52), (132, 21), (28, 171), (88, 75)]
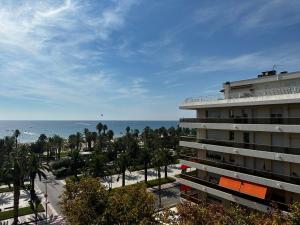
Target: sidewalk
[(138, 176)]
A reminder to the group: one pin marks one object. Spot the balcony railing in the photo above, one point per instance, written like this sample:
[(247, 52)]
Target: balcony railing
[(244, 120), (236, 95), (194, 179), (235, 168), (258, 147)]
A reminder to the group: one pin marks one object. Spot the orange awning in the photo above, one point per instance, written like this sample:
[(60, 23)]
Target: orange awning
[(244, 187), (256, 190), (230, 183)]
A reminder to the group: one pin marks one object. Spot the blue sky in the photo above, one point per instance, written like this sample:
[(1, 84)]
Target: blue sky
[(135, 59)]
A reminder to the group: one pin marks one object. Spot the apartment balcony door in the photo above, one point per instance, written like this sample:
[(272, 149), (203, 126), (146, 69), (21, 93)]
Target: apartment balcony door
[(278, 167)]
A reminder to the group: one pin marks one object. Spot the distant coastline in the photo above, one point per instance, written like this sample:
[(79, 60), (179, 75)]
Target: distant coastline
[(31, 129)]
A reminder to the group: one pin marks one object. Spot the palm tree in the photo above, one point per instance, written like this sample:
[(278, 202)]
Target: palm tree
[(75, 162), (16, 135), (19, 168), (72, 141), (94, 138), (104, 128), (99, 127), (88, 138), (110, 135), (59, 141), (168, 159), (158, 162), (78, 140), (35, 168), (123, 162), (146, 157)]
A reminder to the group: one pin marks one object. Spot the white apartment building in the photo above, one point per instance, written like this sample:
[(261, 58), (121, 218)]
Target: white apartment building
[(247, 147)]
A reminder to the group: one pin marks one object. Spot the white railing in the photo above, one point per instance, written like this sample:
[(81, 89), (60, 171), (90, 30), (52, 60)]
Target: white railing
[(267, 92), (257, 93), (204, 99)]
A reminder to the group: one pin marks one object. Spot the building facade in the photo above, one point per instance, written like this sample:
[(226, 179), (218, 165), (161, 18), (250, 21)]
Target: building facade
[(247, 146)]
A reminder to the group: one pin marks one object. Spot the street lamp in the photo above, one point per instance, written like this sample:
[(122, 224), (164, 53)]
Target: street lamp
[(46, 197)]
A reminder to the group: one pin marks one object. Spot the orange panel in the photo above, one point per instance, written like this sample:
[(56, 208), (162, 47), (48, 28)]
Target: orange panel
[(230, 183), (256, 190)]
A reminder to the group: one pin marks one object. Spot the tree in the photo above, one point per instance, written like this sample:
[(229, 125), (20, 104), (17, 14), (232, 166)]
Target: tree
[(16, 135), (98, 164), (84, 202), (110, 135), (78, 140), (76, 162), (88, 138), (294, 216), (58, 142), (18, 162), (131, 205), (146, 157), (99, 127), (88, 202), (72, 141), (104, 128), (35, 168), (158, 162)]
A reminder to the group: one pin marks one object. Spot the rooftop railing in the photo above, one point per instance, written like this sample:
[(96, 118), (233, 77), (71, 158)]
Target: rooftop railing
[(256, 93), (244, 120), (194, 179), (236, 168), (250, 146)]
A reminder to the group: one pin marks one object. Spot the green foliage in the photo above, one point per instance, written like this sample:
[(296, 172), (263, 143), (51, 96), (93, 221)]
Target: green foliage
[(84, 202), (153, 183), (294, 216), (88, 202), (208, 213), (130, 205), (22, 212), (60, 163)]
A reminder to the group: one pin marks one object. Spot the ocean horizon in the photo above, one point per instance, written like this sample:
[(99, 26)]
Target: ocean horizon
[(31, 129)]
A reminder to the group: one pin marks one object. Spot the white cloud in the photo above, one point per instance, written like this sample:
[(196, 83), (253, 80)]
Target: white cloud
[(246, 16), (287, 56), (44, 54)]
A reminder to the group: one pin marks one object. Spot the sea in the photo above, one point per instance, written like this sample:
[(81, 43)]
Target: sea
[(31, 129)]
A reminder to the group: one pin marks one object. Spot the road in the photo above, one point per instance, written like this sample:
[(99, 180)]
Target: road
[(169, 197), (54, 190)]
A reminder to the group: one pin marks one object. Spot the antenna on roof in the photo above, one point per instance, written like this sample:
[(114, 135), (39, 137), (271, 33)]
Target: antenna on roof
[(275, 66)]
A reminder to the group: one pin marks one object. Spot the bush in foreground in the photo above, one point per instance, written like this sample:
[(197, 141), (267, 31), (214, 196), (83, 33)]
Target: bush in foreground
[(88, 202), (211, 214)]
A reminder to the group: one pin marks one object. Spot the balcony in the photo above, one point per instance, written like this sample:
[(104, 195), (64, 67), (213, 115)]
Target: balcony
[(244, 120), (266, 148), (192, 178), (235, 168), (257, 97)]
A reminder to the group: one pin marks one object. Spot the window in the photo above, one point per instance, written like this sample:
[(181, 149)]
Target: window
[(231, 135)]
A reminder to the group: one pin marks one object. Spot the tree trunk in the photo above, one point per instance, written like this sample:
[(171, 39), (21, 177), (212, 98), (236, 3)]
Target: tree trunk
[(123, 177), (16, 201), (146, 172), (59, 150), (89, 145), (166, 171), (159, 187), (32, 191)]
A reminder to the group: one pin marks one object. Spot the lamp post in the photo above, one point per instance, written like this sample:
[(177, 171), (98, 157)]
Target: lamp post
[(46, 197)]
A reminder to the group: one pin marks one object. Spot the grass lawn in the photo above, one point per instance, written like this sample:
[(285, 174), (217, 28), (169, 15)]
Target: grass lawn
[(7, 189), (22, 212)]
